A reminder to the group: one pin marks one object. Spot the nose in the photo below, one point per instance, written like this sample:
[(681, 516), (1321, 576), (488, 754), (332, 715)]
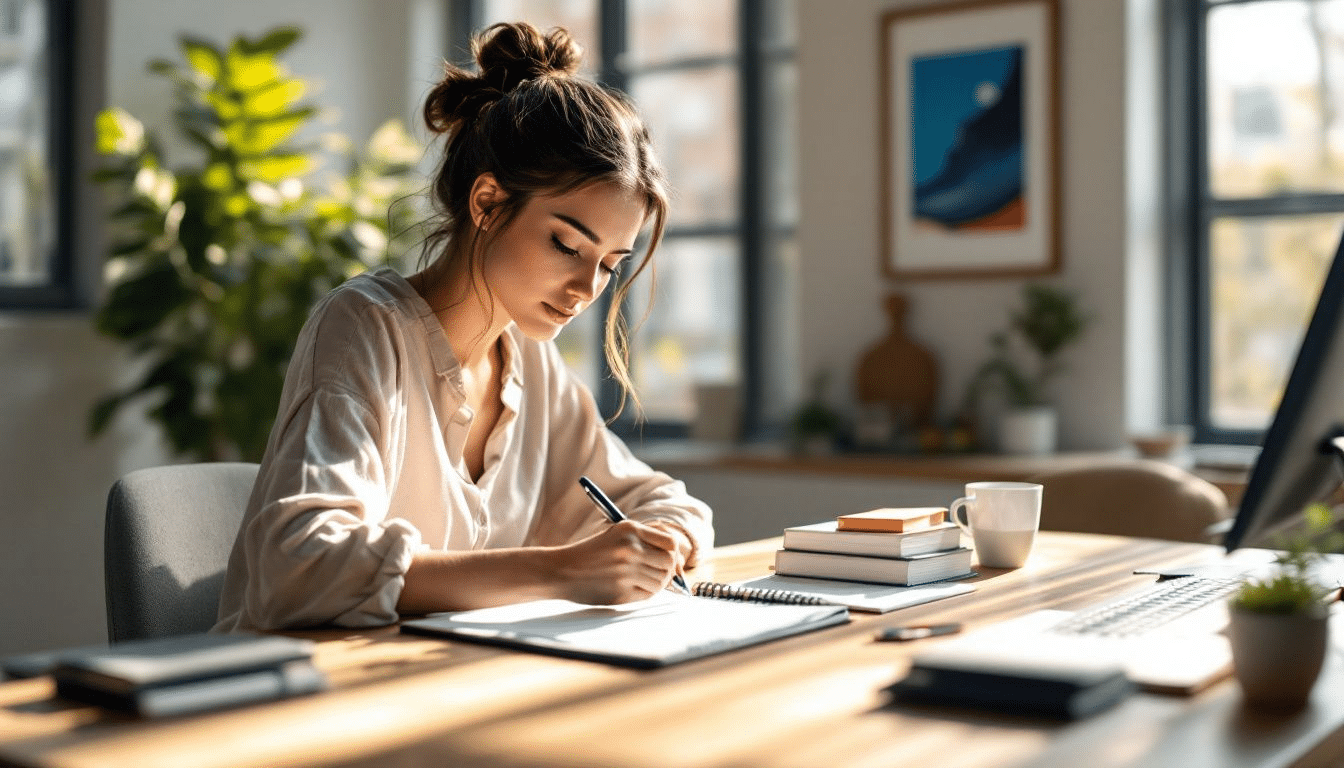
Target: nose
[(587, 284)]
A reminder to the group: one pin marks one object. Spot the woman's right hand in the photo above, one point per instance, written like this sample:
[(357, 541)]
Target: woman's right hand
[(628, 561)]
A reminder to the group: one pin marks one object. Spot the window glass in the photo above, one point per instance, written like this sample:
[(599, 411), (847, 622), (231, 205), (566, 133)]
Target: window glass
[(693, 118), (665, 30), (27, 179), (781, 139), (1267, 272), (1274, 95), (579, 17), (691, 334)]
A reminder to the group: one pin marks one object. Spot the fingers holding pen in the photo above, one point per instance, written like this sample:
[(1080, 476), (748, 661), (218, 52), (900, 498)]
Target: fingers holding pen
[(617, 565)]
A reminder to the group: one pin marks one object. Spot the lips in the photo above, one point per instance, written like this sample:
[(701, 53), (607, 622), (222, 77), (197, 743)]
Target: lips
[(560, 315)]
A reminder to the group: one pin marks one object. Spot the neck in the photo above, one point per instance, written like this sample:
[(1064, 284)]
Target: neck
[(469, 316)]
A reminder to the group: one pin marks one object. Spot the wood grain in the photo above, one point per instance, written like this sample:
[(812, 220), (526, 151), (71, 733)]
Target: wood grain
[(801, 702)]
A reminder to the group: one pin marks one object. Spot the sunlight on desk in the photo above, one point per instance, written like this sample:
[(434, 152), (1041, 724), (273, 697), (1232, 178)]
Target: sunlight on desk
[(800, 702)]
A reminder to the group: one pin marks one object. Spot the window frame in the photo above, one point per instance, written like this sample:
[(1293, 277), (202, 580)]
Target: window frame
[(60, 290), (753, 228), (1192, 210)]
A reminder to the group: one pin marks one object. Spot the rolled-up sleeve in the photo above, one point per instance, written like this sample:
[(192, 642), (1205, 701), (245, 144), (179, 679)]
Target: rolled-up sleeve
[(321, 548)]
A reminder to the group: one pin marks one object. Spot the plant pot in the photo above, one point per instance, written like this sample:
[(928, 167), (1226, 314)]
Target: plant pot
[(1277, 657), (1028, 430)]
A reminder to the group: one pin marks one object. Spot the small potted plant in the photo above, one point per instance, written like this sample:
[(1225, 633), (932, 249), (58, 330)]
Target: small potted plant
[(815, 425), (1048, 321), (1278, 624)]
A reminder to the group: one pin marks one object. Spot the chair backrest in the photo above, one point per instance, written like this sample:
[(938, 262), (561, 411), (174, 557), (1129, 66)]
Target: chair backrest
[(169, 531), (1145, 498)]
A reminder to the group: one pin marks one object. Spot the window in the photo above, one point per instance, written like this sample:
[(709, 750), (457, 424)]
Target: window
[(1265, 189), (715, 83), (36, 126)]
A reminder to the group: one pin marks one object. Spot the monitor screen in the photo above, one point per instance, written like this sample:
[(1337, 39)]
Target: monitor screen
[(1300, 460)]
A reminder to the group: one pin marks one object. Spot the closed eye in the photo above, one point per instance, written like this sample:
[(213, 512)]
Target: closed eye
[(562, 248)]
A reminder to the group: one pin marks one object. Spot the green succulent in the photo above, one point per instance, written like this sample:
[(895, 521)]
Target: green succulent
[(1292, 587)]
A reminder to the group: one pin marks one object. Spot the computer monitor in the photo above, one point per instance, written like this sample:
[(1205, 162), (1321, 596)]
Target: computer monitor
[(1303, 452)]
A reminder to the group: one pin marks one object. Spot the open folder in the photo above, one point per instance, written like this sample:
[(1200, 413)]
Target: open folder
[(665, 629)]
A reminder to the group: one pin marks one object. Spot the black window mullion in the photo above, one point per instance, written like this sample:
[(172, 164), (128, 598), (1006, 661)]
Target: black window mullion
[(754, 214), (614, 40), (1286, 205)]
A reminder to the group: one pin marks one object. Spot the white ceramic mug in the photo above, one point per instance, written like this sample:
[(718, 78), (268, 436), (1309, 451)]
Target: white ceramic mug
[(1001, 519)]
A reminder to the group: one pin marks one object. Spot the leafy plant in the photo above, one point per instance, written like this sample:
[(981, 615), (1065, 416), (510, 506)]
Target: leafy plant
[(1048, 321), (1292, 588), (214, 267), (814, 418)]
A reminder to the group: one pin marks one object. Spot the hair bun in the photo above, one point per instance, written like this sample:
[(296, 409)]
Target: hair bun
[(508, 54)]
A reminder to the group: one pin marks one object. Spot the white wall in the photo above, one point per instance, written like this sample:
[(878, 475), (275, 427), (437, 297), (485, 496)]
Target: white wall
[(842, 285), (55, 482)]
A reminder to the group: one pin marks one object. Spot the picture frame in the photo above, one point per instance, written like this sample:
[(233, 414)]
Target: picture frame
[(970, 129)]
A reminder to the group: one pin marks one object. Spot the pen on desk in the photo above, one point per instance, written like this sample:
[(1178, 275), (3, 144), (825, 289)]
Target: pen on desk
[(918, 632), (615, 515)]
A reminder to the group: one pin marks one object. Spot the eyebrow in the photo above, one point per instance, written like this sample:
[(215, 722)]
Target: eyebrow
[(586, 232)]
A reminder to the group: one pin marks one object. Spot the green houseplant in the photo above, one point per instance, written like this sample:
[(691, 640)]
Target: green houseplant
[(1279, 623), (815, 425), (1024, 359), (213, 267)]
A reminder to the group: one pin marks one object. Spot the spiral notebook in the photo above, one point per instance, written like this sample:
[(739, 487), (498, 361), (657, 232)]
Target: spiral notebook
[(857, 596), (665, 629)]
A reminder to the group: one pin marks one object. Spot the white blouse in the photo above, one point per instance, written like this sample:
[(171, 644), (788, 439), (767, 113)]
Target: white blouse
[(364, 465)]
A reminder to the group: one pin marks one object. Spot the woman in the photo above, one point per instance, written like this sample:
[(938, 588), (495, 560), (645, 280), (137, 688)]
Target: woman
[(430, 438)]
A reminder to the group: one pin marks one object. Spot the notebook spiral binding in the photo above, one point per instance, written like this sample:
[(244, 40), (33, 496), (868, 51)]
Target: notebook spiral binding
[(755, 594)]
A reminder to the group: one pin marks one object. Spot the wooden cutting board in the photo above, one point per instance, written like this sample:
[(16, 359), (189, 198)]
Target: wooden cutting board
[(899, 372)]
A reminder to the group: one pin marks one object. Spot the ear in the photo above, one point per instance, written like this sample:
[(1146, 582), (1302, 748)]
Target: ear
[(486, 195)]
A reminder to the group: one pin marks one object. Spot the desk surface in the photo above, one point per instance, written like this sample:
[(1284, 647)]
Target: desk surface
[(804, 701)]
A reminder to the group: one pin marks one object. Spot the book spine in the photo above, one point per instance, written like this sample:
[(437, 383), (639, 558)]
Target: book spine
[(291, 679)]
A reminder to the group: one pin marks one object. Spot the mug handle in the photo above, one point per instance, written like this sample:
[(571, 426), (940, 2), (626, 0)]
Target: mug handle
[(959, 512)]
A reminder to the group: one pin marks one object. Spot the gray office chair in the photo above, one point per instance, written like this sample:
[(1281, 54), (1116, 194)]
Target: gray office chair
[(1145, 498), (169, 531)]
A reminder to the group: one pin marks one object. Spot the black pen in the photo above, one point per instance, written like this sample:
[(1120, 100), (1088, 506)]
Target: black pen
[(615, 515)]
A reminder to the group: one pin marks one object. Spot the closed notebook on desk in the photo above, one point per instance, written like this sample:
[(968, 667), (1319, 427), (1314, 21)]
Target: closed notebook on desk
[(665, 629)]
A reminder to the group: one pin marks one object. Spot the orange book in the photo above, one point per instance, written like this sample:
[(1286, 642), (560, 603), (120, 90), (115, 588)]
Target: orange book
[(893, 519)]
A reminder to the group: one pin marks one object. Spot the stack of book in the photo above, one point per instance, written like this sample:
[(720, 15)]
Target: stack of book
[(901, 546)]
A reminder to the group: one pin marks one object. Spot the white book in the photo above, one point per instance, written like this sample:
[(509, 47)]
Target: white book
[(920, 569), (825, 537), (665, 629)]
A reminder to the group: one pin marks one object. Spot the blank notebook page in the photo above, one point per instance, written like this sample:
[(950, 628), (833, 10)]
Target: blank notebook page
[(664, 629)]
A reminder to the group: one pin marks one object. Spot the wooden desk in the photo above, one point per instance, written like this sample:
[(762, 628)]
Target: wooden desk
[(807, 701)]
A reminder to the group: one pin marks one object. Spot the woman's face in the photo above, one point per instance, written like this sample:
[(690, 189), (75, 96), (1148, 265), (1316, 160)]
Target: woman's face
[(556, 257)]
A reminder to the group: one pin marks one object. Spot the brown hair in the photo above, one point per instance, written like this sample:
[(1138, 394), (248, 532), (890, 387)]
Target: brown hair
[(540, 130)]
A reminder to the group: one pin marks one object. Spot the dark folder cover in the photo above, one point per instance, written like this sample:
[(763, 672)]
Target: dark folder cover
[(1065, 691)]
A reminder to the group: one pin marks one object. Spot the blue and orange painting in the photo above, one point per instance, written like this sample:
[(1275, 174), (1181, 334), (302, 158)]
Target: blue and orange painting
[(967, 140)]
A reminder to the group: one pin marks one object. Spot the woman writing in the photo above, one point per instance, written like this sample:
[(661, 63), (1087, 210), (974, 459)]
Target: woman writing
[(429, 439)]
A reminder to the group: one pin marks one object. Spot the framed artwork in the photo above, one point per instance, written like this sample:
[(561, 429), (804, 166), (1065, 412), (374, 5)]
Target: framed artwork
[(970, 139)]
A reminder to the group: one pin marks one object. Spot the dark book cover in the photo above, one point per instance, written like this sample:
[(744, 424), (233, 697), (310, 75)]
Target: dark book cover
[(1057, 691)]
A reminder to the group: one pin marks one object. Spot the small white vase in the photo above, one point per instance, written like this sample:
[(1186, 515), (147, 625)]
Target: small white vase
[(1276, 658), (1028, 430)]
